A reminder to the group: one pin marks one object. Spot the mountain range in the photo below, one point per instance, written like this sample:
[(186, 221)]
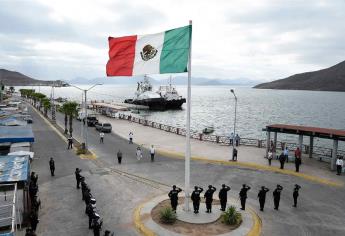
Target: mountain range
[(13, 78), (329, 79)]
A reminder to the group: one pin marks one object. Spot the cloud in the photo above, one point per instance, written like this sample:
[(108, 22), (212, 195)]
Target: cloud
[(262, 40)]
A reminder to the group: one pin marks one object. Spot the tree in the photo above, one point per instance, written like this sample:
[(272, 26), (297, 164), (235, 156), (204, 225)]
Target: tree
[(63, 110), (12, 89), (71, 111), (46, 105)]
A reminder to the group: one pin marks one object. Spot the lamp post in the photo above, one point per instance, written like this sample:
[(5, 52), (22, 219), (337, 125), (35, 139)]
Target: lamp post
[(234, 138), (85, 144)]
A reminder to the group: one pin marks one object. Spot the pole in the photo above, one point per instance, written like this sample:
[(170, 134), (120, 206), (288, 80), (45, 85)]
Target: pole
[(53, 106), (187, 154), (82, 120), (85, 126)]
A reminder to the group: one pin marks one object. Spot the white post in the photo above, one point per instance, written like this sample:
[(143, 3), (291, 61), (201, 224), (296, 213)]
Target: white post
[(300, 142), (334, 154), (82, 121), (268, 142), (187, 154)]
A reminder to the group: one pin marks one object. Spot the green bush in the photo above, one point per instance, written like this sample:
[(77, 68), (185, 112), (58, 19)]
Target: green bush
[(167, 215), (231, 216), (81, 151)]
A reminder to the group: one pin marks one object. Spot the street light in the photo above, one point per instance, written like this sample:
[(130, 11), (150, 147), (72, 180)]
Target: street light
[(84, 129), (233, 141)]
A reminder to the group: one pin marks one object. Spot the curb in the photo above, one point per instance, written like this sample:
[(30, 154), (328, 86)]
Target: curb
[(254, 166), (144, 230), (138, 224)]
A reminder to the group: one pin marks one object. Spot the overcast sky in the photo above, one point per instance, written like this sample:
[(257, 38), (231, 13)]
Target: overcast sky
[(258, 40)]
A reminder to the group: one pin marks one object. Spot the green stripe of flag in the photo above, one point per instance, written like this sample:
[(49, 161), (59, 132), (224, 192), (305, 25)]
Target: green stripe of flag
[(175, 51)]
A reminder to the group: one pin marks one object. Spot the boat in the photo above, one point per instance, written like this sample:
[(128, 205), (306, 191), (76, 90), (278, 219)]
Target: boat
[(208, 130), (166, 98)]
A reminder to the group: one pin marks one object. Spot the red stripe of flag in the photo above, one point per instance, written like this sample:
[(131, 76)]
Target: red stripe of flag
[(121, 56)]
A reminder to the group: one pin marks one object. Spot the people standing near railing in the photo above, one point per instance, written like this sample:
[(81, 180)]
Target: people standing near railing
[(282, 160), (152, 153), (286, 154), (270, 157), (340, 164), (237, 139), (231, 139)]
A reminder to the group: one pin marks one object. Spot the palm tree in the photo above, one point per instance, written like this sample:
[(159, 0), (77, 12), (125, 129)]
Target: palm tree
[(63, 110), (46, 105), (71, 111)]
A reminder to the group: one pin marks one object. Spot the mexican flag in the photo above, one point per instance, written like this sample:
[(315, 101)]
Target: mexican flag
[(160, 53)]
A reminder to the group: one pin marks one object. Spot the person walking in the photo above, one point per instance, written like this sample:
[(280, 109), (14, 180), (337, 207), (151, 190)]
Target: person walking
[(282, 160), (70, 142), (262, 197), (340, 164), (139, 153), (152, 153), (234, 154), (298, 158), (196, 198), (101, 137), (52, 166), (209, 198), (295, 194), (130, 135), (223, 196), (173, 195), (276, 196), (243, 196), (77, 176), (119, 157), (270, 157)]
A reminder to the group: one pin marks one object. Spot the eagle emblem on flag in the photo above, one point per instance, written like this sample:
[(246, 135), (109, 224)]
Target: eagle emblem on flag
[(148, 52)]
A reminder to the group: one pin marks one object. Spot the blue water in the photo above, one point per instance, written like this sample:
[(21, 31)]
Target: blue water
[(214, 106)]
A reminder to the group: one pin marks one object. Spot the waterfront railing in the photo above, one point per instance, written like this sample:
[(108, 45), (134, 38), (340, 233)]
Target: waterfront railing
[(321, 152)]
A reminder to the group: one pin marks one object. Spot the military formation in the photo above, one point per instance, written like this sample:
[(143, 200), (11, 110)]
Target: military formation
[(223, 196), (35, 204), (95, 221)]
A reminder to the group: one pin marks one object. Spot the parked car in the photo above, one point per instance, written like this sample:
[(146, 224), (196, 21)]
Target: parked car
[(105, 127), (91, 121)]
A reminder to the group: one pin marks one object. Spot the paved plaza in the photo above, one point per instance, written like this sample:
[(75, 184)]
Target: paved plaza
[(119, 189)]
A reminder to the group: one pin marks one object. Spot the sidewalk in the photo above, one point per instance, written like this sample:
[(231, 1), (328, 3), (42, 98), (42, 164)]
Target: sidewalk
[(251, 157)]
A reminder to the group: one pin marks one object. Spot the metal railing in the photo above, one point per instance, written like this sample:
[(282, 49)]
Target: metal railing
[(225, 140)]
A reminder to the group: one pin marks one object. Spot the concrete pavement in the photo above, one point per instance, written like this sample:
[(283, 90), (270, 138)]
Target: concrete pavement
[(320, 209)]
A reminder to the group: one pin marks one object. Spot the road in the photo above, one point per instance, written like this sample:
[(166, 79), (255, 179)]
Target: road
[(320, 210)]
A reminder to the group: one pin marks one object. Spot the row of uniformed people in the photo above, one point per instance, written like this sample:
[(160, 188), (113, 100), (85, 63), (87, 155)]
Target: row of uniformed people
[(95, 221), (223, 197)]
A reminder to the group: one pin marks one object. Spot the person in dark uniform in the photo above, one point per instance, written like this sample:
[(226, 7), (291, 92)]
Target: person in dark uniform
[(282, 159), (33, 189), (52, 166), (97, 225), (36, 203), (234, 154), (276, 196), (196, 198), (243, 196), (223, 196), (262, 197), (70, 142), (209, 198), (34, 220), (34, 178), (90, 211), (173, 195), (78, 176), (295, 194), (119, 156)]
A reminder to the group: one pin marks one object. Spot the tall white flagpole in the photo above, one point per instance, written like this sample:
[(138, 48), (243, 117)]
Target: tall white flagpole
[(187, 154)]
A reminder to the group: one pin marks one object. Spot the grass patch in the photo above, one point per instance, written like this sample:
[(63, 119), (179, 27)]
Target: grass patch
[(231, 216), (167, 215)]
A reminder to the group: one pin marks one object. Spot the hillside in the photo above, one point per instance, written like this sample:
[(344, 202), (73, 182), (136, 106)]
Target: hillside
[(13, 78), (330, 79)]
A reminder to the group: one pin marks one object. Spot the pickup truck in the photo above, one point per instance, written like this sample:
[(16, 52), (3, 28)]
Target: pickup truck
[(104, 127), (91, 121)]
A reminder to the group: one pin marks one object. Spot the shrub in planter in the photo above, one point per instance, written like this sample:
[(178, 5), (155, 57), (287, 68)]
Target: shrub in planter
[(231, 216), (81, 151), (167, 215)]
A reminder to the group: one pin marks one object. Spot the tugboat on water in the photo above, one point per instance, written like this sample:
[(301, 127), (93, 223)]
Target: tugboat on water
[(164, 99)]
